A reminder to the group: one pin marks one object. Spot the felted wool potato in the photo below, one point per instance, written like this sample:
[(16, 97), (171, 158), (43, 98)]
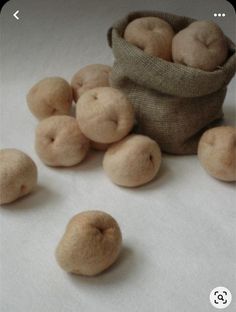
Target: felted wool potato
[(50, 96), (104, 114), (153, 35), (18, 175), (200, 45), (90, 77), (91, 243), (217, 152), (133, 161), (59, 141)]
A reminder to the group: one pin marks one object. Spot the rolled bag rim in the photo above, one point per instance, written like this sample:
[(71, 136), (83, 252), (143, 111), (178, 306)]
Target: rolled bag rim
[(160, 71)]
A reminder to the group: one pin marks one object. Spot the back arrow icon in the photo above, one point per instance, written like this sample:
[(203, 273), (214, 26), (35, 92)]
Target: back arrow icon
[(15, 14)]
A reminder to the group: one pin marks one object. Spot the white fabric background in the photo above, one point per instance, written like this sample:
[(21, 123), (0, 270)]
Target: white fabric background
[(178, 231)]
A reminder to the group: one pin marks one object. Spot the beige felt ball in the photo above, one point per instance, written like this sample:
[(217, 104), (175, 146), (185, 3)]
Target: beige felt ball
[(99, 146), (18, 175), (217, 152), (104, 114), (59, 141), (90, 244), (133, 161), (152, 35), (50, 96), (201, 45), (90, 77)]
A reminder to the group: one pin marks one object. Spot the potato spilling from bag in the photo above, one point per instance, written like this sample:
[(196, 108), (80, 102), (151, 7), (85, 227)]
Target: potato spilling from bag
[(104, 115), (91, 243), (59, 141), (49, 97), (217, 153), (133, 161), (18, 175), (90, 77)]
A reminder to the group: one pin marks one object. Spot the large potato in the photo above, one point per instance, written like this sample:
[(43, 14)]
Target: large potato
[(90, 77), (105, 115), (151, 34), (18, 175), (217, 153), (91, 243), (59, 141), (200, 45), (50, 96), (132, 161)]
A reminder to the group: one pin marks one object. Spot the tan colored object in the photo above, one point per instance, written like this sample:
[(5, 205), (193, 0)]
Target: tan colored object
[(59, 141), (133, 161), (91, 243), (50, 96), (217, 153), (152, 35), (201, 45), (104, 114), (174, 104), (18, 175), (90, 77)]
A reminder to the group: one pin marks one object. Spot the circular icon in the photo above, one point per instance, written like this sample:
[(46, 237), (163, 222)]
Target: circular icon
[(220, 297)]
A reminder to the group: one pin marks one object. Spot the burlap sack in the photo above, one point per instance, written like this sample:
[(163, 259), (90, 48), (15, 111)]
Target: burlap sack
[(174, 103)]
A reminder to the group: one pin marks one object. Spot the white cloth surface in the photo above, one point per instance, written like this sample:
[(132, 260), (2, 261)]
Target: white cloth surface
[(178, 231)]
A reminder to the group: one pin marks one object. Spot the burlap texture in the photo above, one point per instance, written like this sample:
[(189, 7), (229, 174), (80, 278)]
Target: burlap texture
[(174, 104)]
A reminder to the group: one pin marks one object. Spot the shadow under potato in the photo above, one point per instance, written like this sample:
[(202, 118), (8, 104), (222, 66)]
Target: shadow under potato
[(92, 161), (37, 198), (121, 270)]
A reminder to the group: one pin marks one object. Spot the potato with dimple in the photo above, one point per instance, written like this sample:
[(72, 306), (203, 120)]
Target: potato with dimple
[(59, 141), (105, 114), (152, 35), (217, 152), (200, 45), (50, 96), (90, 77), (18, 175), (133, 161), (91, 243)]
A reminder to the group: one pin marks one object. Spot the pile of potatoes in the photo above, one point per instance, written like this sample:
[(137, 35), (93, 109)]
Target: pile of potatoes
[(201, 45), (104, 119)]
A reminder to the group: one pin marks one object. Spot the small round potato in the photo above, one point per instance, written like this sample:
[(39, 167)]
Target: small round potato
[(152, 35), (91, 243), (18, 175), (50, 96), (90, 77), (59, 141), (201, 45), (133, 161), (105, 115), (217, 152)]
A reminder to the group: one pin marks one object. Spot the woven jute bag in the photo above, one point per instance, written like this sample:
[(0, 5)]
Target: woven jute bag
[(174, 104)]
